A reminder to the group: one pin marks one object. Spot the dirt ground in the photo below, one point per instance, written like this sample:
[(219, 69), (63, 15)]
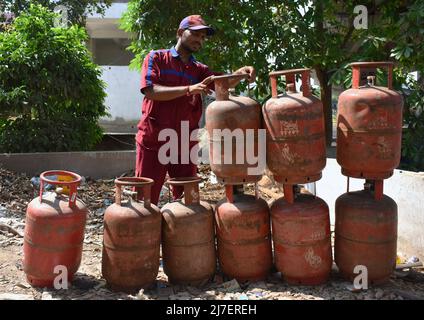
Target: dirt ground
[(16, 191)]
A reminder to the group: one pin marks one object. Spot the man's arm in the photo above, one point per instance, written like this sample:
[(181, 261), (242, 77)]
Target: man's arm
[(165, 93)]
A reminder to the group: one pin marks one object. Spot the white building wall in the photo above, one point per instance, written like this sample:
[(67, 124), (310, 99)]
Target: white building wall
[(123, 87), (123, 98)]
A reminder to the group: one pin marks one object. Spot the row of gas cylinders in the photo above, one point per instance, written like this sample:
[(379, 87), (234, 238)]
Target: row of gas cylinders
[(193, 236), (369, 128), (239, 233)]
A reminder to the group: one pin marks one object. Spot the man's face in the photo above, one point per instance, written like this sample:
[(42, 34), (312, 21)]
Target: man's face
[(192, 40)]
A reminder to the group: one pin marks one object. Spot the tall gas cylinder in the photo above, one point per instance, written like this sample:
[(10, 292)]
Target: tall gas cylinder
[(369, 126), (294, 122), (244, 235), (54, 231), (233, 123), (302, 238), (131, 238), (188, 236), (366, 233)]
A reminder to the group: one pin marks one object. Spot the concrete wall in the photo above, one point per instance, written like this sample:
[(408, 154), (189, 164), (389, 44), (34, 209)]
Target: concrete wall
[(405, 187), (111, 52), (99, 164), (123, 99)]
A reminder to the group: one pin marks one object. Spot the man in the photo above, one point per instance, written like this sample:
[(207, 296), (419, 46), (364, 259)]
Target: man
[(172, 83)]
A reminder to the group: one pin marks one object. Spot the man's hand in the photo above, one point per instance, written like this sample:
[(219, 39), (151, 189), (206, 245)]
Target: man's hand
[(248, 70), (244, 70), (201, 87)]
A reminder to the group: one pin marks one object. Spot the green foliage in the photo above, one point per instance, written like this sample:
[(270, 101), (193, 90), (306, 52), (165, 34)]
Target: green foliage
[(77, 9), (271, 35), (413, 134), (65, 133), (51, 95), (243, 30)]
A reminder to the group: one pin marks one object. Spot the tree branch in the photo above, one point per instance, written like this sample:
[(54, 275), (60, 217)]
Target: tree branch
[(348, 35)]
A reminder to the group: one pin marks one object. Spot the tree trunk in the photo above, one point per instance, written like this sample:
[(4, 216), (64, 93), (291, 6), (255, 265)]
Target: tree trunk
[(323, 77)]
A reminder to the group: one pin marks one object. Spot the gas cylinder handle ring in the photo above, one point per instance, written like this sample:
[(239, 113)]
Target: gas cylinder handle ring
[(230, 76), (191, 187), (141, 183), (183, 180), (77, 177), (133, 181), (290, 77), (357, 66), (222, 85), (73, 184)]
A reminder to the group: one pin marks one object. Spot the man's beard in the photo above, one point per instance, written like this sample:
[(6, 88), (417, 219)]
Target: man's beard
[(187, 48)]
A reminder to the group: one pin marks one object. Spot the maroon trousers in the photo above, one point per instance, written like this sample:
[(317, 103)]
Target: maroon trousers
[(148, 166)]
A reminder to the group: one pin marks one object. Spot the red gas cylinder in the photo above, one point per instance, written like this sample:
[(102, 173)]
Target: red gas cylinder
[(233, 124), (301, 237), (188, 236), (131, 238), (294, 122), (54, 231), (366, 234), (243, 233), (369, 126)]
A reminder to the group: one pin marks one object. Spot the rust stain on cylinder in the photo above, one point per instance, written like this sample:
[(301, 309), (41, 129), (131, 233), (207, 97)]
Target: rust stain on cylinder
[(369, 131), (295, 144), (234, 114), (188, 249), (131, 240), (243, 233), (366, 234), (54, 234), (301, 236)]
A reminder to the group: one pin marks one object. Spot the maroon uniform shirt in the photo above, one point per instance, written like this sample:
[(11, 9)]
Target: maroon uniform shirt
[(165, 67)]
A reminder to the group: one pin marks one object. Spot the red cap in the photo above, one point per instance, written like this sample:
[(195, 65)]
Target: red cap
[(196, 22)]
